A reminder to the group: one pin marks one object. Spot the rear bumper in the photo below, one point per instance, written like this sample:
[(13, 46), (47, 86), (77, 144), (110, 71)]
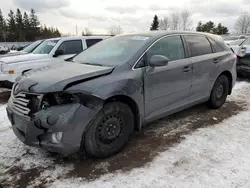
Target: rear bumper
[(40, 130)]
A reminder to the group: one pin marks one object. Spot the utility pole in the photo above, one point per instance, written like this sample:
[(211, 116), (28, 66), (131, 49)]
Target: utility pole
[(76, 30)]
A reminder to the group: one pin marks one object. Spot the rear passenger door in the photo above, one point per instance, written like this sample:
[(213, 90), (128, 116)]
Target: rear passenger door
[(70, 48), (204, 63)]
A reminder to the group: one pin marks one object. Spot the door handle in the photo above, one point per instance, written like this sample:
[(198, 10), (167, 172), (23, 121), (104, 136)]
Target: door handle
[(186, 69), (216, 61)]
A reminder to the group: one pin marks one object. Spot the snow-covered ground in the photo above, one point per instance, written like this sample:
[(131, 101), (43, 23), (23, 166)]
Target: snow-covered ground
[(213, 156)]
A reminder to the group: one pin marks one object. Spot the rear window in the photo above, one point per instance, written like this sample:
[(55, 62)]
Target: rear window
[(216, 47), (91, 42), (231, 38), (198, 44)]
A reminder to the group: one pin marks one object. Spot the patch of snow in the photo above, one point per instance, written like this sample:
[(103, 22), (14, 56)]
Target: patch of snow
[(4, 121), (241, 84), (215, 119)]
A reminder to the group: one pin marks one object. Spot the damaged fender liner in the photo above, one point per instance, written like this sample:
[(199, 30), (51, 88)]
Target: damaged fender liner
[(70, 119)]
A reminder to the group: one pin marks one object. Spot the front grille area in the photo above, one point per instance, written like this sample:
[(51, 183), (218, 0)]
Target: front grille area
[(24, 103)]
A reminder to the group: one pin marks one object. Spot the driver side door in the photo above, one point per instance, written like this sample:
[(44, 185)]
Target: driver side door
[(167, 87)]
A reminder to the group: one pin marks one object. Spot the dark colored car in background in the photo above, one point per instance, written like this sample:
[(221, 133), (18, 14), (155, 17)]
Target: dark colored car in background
[(96, 101)]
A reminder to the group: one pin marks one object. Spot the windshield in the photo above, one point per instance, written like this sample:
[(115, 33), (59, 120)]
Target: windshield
[(45, 47), (237, 42), (112, 51), (231, 38), (31, 47)]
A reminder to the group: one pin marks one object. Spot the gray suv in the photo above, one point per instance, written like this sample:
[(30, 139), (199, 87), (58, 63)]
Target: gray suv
[(98, 98)]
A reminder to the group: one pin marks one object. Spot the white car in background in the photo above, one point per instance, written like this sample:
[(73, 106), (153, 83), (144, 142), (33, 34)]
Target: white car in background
[(235, 45), (4, 50), (55, 48), (231, 38)]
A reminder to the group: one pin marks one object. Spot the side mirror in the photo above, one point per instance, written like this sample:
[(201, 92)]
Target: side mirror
[(58, 53), (158, 60), (242, 51)]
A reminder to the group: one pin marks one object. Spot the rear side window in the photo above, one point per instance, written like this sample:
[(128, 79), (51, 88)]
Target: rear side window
[(216, 46), (198, 44), (171, 47), (71, 47), (91, 42)]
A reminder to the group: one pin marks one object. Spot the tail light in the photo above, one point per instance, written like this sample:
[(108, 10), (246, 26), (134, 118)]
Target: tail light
[(235, 58)]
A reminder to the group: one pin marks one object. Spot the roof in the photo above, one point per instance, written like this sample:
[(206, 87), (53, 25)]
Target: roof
[(161, 33), (79, 37)]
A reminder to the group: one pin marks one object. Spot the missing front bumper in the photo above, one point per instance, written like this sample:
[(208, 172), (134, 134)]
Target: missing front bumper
[(71, 120)]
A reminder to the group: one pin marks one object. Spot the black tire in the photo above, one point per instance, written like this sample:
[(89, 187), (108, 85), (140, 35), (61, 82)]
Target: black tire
[(219, 92), (109, 131)]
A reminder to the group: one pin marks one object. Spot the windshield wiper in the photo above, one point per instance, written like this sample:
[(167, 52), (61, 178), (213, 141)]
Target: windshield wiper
[(95, 64)]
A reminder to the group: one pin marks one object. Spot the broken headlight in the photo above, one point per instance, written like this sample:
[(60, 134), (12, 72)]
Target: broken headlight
[(53, 99)]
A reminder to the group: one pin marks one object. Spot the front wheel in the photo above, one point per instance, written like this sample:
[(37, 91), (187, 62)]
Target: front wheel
[(219, 92), (109, 131)]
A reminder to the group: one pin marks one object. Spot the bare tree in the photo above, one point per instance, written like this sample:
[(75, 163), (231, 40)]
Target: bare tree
[(175, 21), (87, 32), (115, 30), (165, 23), (186, 21), (242, 25)]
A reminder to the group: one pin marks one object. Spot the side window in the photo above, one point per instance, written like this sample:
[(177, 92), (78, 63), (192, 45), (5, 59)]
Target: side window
[(198, 44), (215, 46), (171, 47), (91, 42), (246, 42), (71, 47), (141, 63)]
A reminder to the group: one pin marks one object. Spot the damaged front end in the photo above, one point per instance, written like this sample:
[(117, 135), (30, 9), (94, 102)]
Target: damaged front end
[(54, 121)]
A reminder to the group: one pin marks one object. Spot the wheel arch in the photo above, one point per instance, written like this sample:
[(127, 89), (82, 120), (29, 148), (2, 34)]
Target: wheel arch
[(230, 79), (26, 71), (132, 104)]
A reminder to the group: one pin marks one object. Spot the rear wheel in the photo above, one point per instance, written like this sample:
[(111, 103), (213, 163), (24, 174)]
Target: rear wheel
[(110, 130), (219, 92)]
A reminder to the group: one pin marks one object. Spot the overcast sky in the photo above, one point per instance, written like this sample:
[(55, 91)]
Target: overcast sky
[(131, 15)]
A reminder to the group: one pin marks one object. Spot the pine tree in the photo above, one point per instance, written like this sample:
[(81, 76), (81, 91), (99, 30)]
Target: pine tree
[(199, 26), (26, 26), (155, 24), (20, 25), (3, 27), (34, 25), (12, 26)]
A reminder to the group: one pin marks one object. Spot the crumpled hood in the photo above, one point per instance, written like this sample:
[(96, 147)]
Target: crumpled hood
[(56, 77), (22, 58)]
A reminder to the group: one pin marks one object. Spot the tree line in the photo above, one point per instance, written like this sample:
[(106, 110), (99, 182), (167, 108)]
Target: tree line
[(20, 27), (182, 21)]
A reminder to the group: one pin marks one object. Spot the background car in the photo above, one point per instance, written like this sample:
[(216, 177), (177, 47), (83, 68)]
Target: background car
[(235, 45), (28, 49), (4, 50), (229, 39), (243, 53), (50, 49)]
